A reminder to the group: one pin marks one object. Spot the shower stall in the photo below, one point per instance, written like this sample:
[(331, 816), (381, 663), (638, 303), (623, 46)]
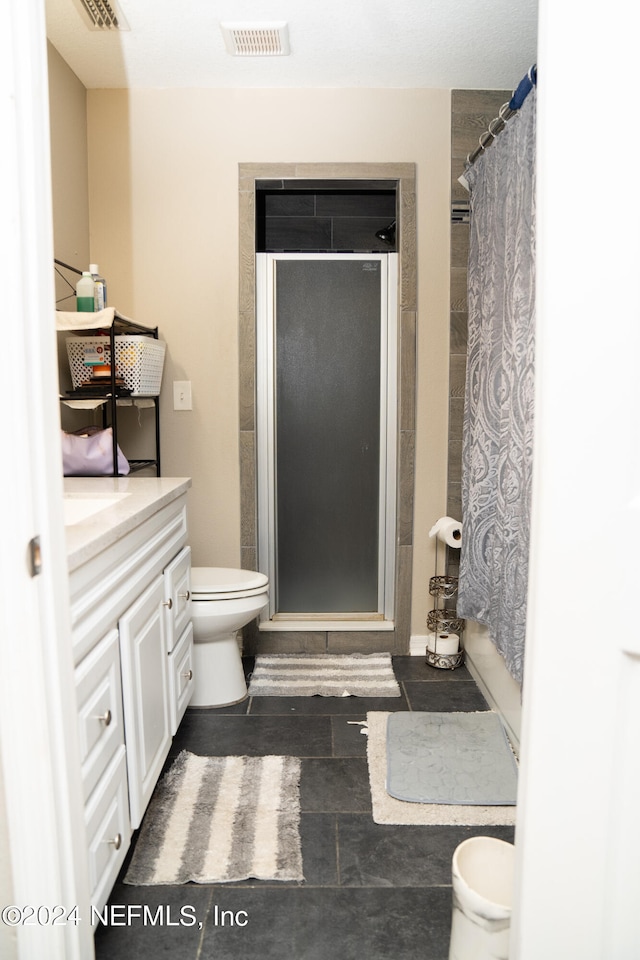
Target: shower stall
[(326, 415)]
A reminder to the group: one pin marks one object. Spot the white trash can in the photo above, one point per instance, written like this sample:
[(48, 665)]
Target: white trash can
[(482, 875)]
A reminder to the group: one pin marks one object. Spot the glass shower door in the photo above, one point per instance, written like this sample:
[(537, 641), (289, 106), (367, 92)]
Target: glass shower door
[(328, 398)]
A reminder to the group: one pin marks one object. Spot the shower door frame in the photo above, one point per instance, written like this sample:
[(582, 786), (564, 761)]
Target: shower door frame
[(266, 267), (356, 636)]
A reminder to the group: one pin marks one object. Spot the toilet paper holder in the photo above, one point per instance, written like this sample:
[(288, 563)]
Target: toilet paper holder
[(444, 621), (443, 624), (444, 587)]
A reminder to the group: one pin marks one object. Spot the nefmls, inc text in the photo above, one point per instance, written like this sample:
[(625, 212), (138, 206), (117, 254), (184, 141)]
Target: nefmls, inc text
[(126, 915)]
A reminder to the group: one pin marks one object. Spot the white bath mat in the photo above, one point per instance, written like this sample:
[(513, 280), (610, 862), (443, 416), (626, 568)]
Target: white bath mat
[(325, 675)]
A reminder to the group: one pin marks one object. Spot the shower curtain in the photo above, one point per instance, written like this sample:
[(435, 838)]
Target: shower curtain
[(497, 448)]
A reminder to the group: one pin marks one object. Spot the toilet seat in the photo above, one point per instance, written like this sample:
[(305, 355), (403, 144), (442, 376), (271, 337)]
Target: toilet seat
[(223, 583)]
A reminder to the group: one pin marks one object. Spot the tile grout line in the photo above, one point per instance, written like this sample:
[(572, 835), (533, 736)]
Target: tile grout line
[(337, 837), (200, 946)]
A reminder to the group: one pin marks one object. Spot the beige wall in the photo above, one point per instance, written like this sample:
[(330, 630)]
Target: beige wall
[(163, 196), (69, 170), (70, 194)]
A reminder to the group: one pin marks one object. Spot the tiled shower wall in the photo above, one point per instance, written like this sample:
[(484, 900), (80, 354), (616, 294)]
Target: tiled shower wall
[(330, 217), (471, 113)]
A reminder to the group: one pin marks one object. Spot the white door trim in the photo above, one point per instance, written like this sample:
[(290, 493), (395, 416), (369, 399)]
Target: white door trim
[(41, 820), (578, 832)]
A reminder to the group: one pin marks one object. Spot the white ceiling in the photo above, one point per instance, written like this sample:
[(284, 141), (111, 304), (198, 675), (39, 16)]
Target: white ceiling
[(451, 44)]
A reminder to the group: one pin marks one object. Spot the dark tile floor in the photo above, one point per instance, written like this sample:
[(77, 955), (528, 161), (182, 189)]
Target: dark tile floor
[(370, 891)]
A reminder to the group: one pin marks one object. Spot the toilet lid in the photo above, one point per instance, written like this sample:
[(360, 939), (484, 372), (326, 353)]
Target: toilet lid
[(217, 583)]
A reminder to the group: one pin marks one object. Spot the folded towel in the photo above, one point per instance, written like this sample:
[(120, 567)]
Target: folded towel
[(84, 404), (67, 320)]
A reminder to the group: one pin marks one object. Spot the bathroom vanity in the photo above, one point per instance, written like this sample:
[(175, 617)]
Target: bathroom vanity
[(132, 640)]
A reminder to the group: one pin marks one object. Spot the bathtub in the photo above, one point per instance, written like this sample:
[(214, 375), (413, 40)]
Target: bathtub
[(488, 669)]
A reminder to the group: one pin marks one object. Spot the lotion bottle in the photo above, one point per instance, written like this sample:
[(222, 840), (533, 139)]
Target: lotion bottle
[(85, 293)]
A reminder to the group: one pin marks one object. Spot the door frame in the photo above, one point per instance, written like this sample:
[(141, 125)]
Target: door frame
[(43, 860), (266, 425), (346, 636)]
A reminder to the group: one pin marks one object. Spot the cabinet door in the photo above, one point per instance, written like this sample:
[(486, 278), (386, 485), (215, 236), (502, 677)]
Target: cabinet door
[(177, 596), (181, 680), (145, 694), (108, 830), (99, 696)]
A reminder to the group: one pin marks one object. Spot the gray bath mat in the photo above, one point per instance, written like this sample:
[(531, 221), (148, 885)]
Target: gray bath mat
[(458, 758), (215, 819), (387, 809), (307, 675)]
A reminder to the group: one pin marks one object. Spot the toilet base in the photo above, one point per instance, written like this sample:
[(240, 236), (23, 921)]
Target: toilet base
[(218, 674)]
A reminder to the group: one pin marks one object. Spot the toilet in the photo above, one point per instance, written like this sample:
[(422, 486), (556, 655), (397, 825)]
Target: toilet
[(222, 601)]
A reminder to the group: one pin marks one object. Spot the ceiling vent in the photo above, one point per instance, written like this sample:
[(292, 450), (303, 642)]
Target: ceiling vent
[(256, 39), (102, 14)]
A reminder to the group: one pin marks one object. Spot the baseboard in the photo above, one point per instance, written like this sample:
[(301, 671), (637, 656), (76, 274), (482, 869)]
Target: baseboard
[(418, 646)]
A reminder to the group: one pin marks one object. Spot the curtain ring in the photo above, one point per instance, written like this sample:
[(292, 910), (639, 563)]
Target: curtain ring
[(505, 106)]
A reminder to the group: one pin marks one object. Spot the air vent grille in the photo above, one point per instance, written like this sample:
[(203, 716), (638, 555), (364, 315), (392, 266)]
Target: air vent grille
[(103, 15), (256, 39)]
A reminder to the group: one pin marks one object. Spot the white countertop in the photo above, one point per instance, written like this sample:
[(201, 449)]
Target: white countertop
[(144, 497)]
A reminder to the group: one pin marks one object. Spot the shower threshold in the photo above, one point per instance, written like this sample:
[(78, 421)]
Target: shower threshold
[(301, 624)]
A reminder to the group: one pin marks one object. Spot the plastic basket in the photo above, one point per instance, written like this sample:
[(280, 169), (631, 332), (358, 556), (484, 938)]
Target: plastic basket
[(139, 361)]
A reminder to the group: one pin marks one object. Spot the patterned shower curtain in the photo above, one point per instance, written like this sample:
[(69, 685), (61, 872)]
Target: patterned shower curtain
[(497, 448)]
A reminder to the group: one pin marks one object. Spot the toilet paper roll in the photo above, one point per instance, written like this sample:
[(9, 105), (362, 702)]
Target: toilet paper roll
[(448, 531), (445, 644)]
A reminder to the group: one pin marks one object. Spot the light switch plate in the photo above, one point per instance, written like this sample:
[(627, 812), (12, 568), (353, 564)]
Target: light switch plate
[(182, 395)]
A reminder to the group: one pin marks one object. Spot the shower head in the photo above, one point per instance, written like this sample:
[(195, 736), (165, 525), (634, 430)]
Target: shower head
[(388, 233)]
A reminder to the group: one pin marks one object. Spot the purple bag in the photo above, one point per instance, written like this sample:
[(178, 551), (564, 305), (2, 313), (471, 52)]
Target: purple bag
[(91, 455)]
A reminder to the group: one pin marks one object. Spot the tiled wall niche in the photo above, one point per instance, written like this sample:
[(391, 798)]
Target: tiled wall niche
[(402, 176)]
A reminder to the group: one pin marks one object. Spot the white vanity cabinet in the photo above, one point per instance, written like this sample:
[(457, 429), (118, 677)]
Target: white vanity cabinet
[(132, 644)]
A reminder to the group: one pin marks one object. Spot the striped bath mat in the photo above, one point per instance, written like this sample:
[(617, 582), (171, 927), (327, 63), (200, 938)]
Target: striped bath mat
[(218, 819), (308, 675)]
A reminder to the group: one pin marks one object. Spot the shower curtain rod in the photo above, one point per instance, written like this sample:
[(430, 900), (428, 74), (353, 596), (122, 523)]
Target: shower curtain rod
[(498, 124)]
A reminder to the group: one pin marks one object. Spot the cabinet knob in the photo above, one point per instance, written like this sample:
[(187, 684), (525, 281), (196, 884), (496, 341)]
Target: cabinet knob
[(117, 841), (105, 718), (184, 596), (188, 675), (168, 603)]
